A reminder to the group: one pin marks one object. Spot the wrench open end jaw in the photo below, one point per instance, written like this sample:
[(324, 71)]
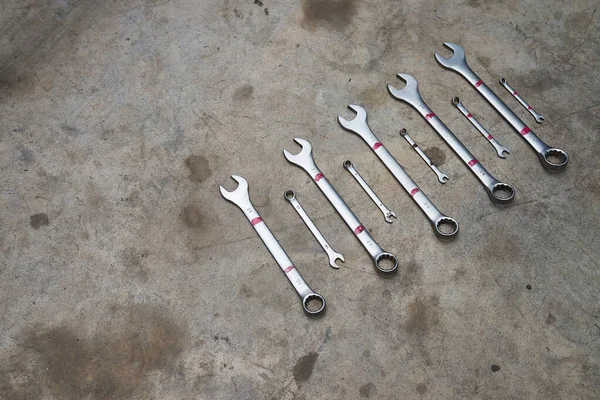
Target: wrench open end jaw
[(359, 121), (457, 59), (409, 92), (304, 155), (333, 259), (240, 194)]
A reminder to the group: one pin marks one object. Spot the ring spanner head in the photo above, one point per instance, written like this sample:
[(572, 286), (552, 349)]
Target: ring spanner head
[(238, 196), (302, 158), (409, 93), (358, 123), (456, 61)]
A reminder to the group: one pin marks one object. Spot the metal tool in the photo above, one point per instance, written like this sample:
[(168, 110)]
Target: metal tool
[(444, 227), (305, 160), (538, 117), (241, 198), (386, 211), (498, 192), (546, 154), (499, 148), (332, 254), (443, 178)]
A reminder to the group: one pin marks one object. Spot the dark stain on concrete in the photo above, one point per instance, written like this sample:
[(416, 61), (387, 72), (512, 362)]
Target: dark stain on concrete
[(258, 2), (199, 168), (192, 216), (422, 315), (71, 131), (485, 61), (495, 368), (246, 291), (436, 155), (421, 388), (367, 390), (332, 14), (550, 319), (137, 342), (37, 220), (304, 367), (243, 93), (26, 156), (266, 11), (237, 13)]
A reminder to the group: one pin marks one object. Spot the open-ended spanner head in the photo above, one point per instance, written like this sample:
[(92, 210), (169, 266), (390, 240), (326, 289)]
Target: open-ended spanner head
[(303, 159), (456, 61), (239, 196), (409, 93), (358, 123)]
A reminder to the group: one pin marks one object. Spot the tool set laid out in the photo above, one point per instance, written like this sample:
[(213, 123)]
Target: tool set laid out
[(385, 263)]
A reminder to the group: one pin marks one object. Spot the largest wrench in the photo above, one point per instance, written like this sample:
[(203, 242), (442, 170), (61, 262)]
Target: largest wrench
[(360, 127), (305, 160), (458, 63), (410, 94), (241, 198)]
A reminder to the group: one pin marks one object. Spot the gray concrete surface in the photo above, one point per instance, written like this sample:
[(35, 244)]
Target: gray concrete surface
[(125, 275)]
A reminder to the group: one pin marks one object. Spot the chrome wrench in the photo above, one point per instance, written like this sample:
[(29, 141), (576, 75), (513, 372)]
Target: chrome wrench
[(410, 94), (360, 127), (332, 254), (458, 63), (305, 160), (538, 117), (387, 213), (241, 198), (499, 148), (443, 178)]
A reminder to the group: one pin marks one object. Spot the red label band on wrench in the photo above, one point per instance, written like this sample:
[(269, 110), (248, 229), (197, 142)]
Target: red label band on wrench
[(414, 191), (256, 220), (469, 115), (359, 229), (529, 107), (288, 269), (478, 83), (429, 116), (472, 162), (318, 177), (525, 131), (515, 94), (377, 145), (489, 137)]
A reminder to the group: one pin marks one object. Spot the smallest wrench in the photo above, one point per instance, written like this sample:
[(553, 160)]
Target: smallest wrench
[(443, 178), (538, 117), (332, 254), (499, 148), (386, 211)]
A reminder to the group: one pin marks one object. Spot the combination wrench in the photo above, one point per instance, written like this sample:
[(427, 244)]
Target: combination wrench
[(458, 63), (499, 192), (387, 213), (305, 160), (241, 198), (539, 118), (497, 146), (444, 227), (443, 178), (332, 254)]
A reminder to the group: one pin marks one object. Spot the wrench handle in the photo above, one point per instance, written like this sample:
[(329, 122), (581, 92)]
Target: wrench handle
[(538, 117), (311, 226), (542, 149), (361, 181), (286, 265), (491, 184)]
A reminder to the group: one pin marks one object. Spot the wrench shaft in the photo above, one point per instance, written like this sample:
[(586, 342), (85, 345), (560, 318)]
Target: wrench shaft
[(538, 117), (441, 176), (361, 181)]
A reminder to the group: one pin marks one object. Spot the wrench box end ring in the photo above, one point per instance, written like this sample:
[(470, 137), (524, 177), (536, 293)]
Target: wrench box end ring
[(554, 152), (455, 100), (319, 310), (502, 187), (386, 256), (448, 222), (347, 164), (289, 195)]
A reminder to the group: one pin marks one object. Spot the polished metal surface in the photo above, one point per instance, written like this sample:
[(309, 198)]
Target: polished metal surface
[(444, 227), (241, 198), (387, 213), (539, 118), (499, 192), (443, 178), (331, 254), (497, 146), (304, 160), (551, 158)]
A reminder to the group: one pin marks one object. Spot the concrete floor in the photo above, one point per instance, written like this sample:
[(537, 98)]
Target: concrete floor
[(125, 275)]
